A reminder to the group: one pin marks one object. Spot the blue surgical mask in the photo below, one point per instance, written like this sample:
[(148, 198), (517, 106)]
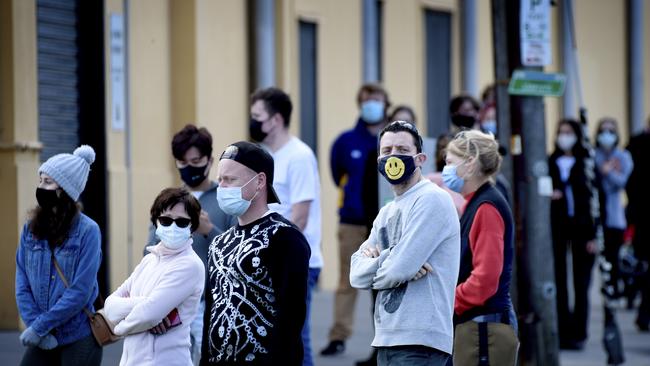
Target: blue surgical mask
[(230, 200), (372, 111), (489, 126), (451, 179), (607, 139), (172, 236)]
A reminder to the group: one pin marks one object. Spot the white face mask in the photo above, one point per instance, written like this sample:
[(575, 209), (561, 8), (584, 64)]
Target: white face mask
[(172, 236), (230, 199), (566, 141)]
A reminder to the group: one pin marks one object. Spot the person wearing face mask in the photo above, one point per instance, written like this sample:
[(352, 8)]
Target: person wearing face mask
[(153, 309), (296, 181), (488, 119), (573, 228), (483, 307), (257, 270), (192, 152), (353, 162), (615, 166), (58, 330), (413, 271), (464, 113)]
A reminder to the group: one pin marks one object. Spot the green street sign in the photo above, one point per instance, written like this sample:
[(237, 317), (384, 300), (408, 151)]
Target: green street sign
[(536, 83)]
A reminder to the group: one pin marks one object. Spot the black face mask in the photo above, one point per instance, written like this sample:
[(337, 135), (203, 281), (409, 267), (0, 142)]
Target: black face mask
[(46, 198), (192, 175), (396, 168), (255, 130), (463, 121)]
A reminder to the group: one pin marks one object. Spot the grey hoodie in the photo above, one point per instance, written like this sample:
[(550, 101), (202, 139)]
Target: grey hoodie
[(419, 226)]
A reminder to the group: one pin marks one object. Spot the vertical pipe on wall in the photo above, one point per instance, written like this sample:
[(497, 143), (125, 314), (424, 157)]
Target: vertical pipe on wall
[(569, 109), (370, 41), (265, 42), (468, 13), (635, 65), (128, 159)]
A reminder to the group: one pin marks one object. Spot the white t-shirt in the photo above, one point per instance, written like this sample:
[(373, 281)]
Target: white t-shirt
[(296, 179)]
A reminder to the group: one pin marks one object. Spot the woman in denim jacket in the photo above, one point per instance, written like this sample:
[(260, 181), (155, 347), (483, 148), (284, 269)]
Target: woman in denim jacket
[(58, 331), (615, 166)]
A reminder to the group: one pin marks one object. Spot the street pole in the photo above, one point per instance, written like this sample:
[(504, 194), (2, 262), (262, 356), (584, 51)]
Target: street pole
[(536, 295)]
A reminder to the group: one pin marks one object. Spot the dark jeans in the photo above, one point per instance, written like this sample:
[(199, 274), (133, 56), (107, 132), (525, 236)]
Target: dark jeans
[(411, 356), (85, 352), (312, 281), (613, 242), (572, 323)]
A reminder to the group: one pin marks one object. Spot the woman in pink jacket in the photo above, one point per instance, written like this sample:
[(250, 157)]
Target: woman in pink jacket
[(155, 306)]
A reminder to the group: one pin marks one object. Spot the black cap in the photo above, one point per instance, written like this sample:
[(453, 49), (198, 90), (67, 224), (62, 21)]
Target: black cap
[(255, 158)]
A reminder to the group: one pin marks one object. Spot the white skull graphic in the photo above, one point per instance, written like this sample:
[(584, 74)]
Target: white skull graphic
[(256, 262)]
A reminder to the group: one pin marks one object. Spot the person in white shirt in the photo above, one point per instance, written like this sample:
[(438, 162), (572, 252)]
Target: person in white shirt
[(295, 180), (155, 306)]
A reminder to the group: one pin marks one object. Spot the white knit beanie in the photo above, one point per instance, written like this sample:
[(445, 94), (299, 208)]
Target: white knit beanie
[(70, 171)]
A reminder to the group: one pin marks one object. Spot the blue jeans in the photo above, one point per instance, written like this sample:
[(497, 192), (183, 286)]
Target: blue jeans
[(196, 334), (414, 355), (306, 342)]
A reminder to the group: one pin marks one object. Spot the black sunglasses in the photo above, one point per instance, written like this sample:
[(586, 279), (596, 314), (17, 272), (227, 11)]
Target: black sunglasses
[(181, 222)]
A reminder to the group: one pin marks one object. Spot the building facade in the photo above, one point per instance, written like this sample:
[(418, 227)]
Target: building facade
[(125, 75)]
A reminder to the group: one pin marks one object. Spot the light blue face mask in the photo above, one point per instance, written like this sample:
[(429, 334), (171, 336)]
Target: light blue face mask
[(489, 126), (451, 179), (230, 199), (372, 111), (607, 139)]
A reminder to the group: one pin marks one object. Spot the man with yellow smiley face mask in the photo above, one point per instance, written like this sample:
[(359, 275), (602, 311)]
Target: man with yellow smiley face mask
[(414, 244)]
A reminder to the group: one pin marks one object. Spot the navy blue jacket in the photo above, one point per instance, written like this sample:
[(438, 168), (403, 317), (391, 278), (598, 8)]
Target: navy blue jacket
[(353, 161)]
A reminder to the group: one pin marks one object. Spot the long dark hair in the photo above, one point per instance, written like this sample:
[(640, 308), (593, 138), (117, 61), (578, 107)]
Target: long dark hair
[(578, 150), (54, 224)]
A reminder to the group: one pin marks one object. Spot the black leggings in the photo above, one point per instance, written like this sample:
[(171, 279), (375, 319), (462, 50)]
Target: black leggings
[(85, 352)]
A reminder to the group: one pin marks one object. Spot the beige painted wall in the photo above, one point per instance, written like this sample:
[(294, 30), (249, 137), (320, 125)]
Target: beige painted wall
[(403, 55), (484, 45), (603, 60), (222, 71), (602, 64), (339, 77), (186, 65), (18, 127), (149, 134)]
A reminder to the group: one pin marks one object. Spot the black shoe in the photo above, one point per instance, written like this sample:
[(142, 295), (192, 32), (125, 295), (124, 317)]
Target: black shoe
[(333, 348), (572, 345), (371, 361), (643, 323)]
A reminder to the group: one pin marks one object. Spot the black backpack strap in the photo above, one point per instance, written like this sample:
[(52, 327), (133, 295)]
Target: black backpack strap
[(483, 356)]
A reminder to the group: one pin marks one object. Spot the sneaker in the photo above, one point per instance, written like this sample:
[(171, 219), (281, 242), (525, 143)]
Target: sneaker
[(333, 348)]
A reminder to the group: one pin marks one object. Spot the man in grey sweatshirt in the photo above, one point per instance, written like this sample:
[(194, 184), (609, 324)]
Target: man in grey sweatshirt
[(411, 257)]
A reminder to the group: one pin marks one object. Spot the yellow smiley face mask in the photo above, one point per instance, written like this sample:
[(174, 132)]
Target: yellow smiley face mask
[(396, 168)]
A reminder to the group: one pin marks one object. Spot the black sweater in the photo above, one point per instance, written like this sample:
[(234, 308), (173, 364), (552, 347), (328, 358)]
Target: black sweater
[(583, 225), (255, 295)]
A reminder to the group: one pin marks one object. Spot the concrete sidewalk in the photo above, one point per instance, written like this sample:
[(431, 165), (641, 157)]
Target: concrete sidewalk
[(636, 344)]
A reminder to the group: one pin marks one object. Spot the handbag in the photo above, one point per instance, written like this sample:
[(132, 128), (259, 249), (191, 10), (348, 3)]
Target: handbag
[(101, 327)]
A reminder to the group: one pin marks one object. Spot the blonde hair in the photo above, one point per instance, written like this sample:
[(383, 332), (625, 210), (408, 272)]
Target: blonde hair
[(480, 147)]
